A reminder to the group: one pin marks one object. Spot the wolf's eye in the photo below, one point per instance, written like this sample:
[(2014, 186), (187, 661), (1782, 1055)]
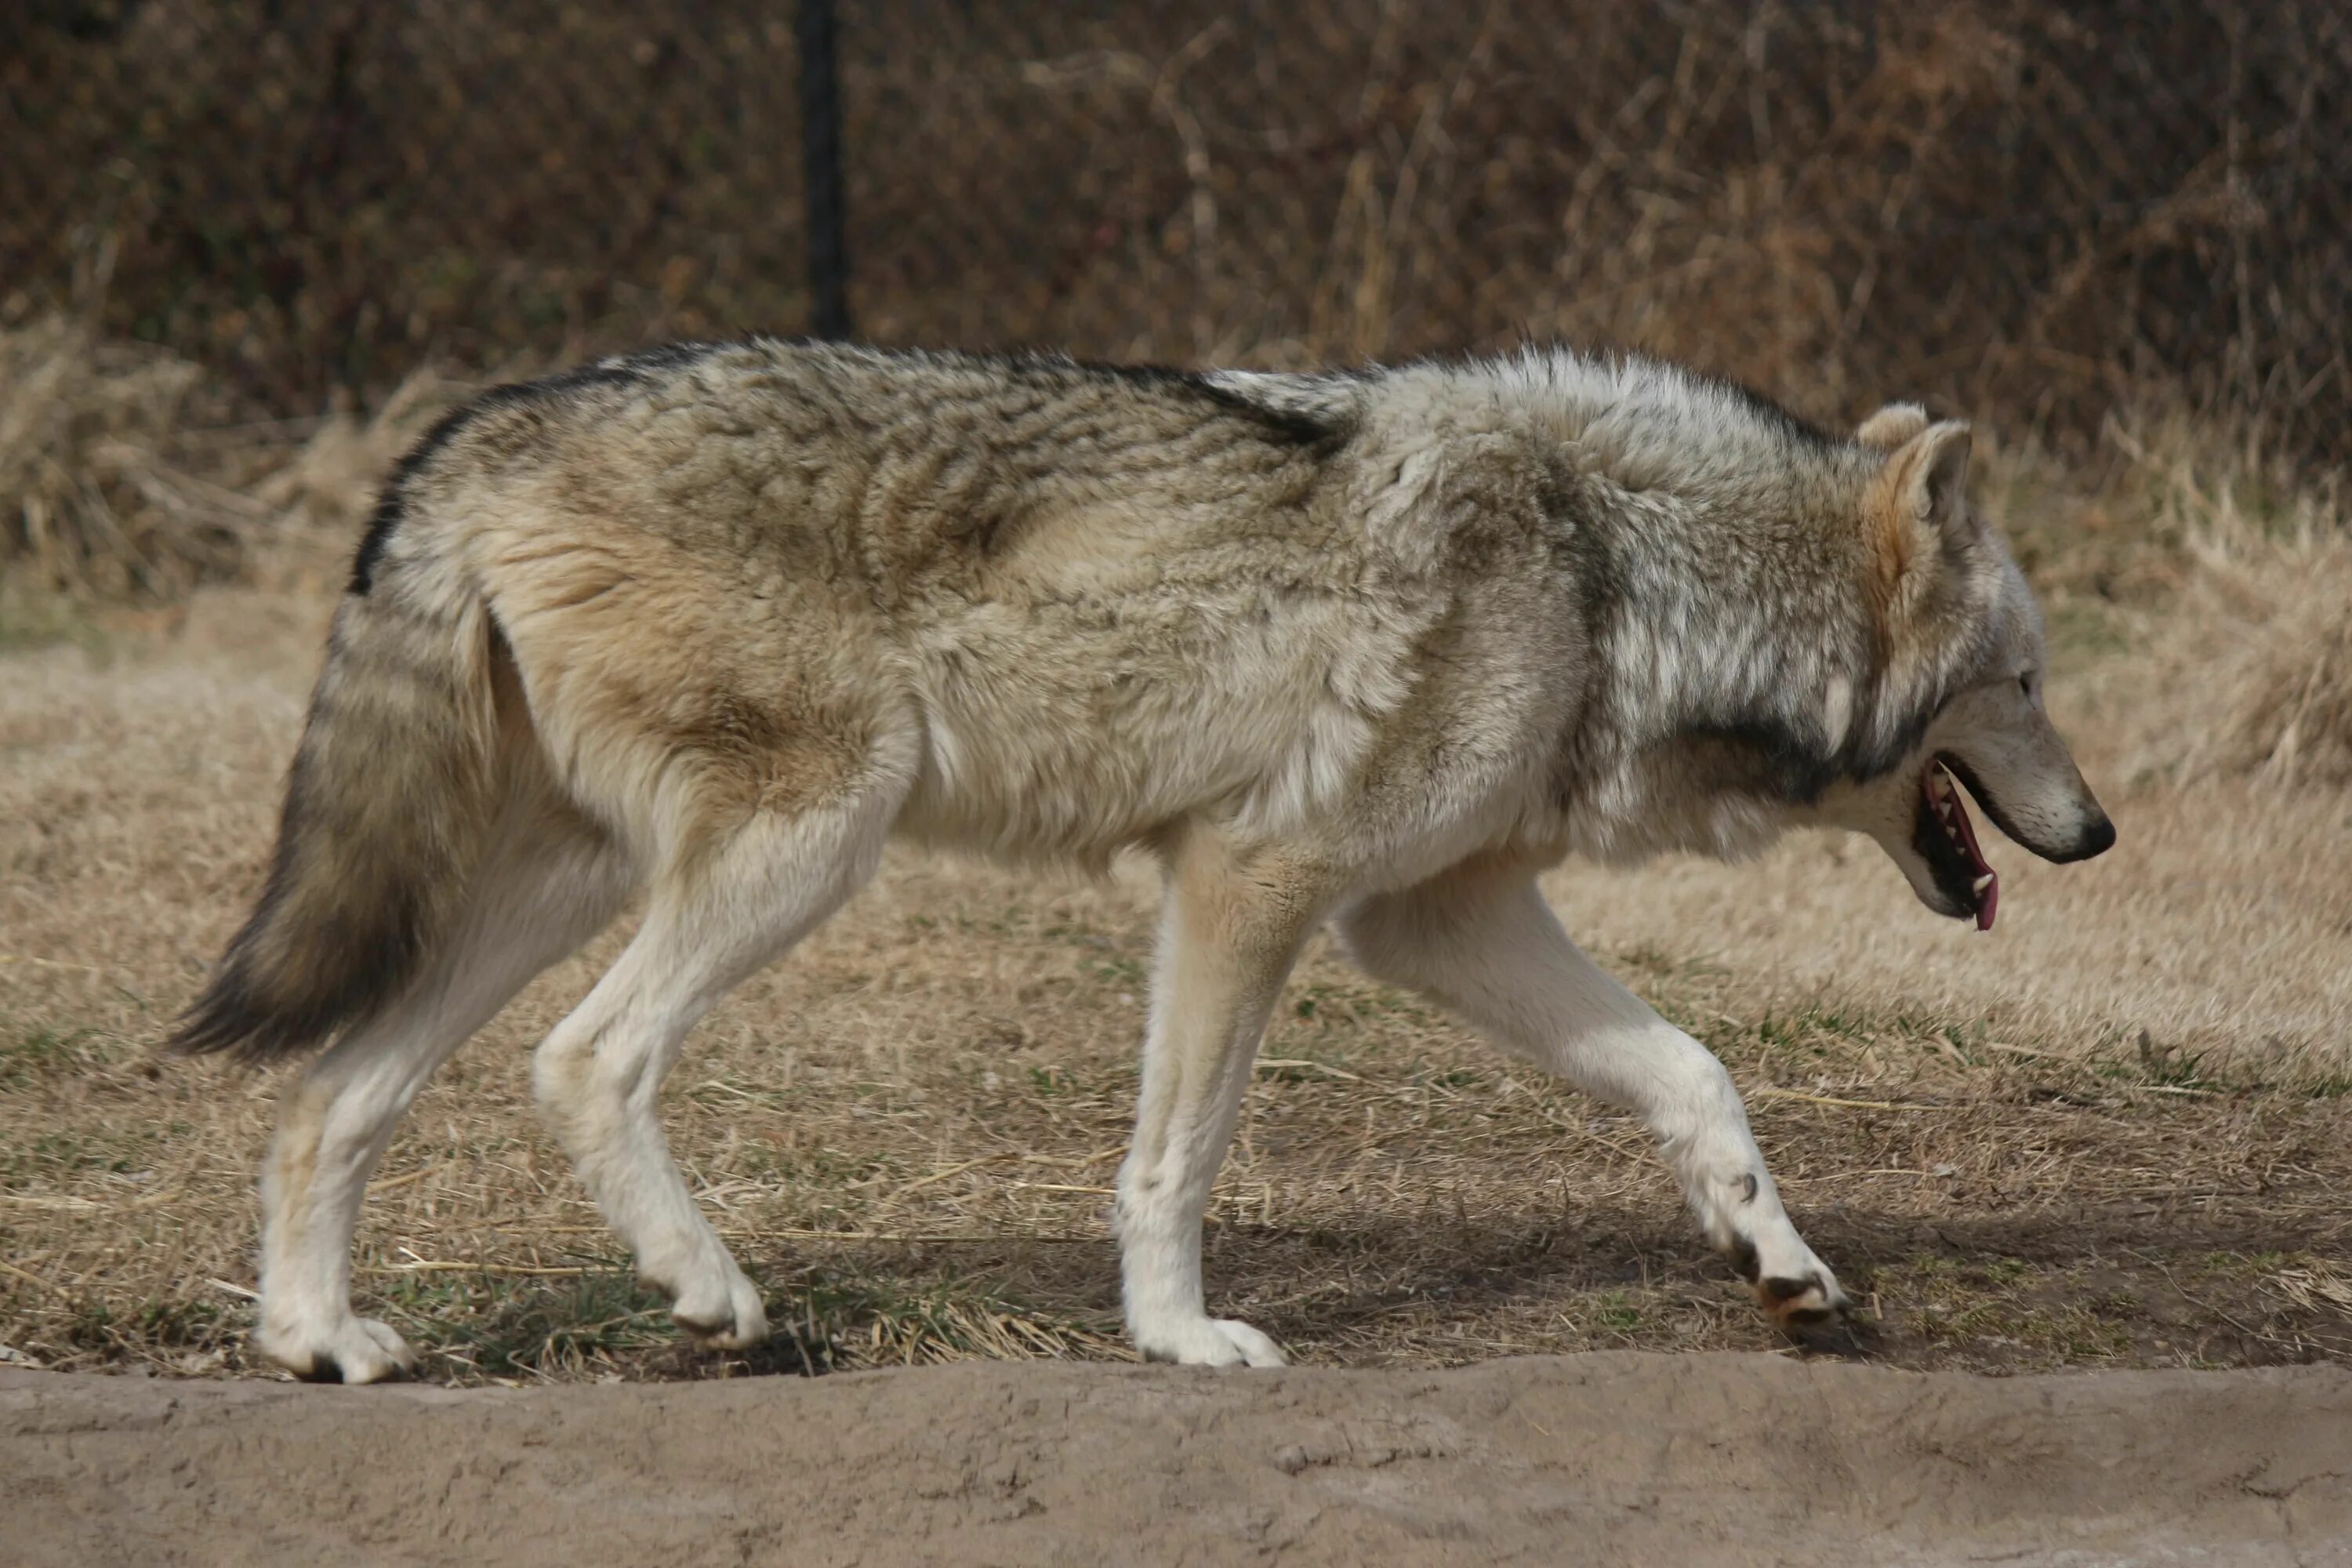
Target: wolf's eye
[(2025, 683)]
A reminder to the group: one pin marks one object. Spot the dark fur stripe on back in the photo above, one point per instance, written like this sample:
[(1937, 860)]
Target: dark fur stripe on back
[(392, 506)]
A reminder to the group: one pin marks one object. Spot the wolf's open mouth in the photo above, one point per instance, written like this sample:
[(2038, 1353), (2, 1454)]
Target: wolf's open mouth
[(1944, 804)]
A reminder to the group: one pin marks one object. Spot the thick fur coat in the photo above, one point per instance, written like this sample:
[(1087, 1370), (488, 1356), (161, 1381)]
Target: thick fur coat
[(714, 621)]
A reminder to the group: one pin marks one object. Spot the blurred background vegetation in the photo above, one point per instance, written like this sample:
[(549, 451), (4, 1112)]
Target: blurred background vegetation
[(2023, 210)]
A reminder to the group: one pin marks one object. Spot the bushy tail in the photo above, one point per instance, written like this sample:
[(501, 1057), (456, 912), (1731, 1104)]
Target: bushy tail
[(387, 808)]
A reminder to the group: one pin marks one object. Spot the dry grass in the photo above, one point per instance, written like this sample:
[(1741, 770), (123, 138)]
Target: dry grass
[(2108, 1135), (2260, 634), (121, 481), (91, 494), (2001, 203)]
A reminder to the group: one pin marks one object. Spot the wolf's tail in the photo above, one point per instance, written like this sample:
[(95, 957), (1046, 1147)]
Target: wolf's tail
[(388, 808)]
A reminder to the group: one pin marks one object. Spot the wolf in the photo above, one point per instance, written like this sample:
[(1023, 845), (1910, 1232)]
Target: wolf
[(1367, 648)]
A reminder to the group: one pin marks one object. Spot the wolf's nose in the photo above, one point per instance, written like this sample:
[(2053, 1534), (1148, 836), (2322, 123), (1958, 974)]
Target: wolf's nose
[(2097, 839)]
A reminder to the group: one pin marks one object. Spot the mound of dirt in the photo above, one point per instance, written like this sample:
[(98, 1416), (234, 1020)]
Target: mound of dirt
[(1689, 1461)]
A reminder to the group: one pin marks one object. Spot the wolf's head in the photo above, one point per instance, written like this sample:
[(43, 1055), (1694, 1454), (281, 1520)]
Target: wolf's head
[(1961, 641)]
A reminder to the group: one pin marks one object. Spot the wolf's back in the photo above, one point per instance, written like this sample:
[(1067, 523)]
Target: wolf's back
[(386, 808)]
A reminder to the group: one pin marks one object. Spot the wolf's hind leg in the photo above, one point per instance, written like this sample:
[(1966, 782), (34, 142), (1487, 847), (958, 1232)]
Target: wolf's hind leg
[(1487, 946), (746, 895), (553, 883)]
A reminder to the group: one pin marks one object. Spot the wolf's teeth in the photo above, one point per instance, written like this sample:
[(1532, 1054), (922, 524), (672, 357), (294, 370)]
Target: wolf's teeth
[(1981, 883)]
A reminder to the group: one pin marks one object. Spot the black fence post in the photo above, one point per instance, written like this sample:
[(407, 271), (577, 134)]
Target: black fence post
[(828, 260)]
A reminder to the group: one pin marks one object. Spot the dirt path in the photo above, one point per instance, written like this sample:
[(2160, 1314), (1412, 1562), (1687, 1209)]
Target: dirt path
[(1689, 1461)]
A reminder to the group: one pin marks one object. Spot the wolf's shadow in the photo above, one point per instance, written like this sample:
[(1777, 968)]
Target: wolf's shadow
[(1321, 1283)]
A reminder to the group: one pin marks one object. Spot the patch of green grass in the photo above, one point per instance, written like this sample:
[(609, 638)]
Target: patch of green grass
[(47, 1052), (1807, 1026), (1828, 1033), (1809, 1030), (1342, 1005), (814, 1166), (506, 1325), (2148, 1065), (2137, 1061), (2074, 1333), (2114, 1306), (1051, 1082), (1670, 966), (31, 619), (69, 1153), (157, 1322), (1117, 970), (493, 1325), (1937, 1273), (1616, 1309), (181, 1321), (1994, 1305), (841, 1323)]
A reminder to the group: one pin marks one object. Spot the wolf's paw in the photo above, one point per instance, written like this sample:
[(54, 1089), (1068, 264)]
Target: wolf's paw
[(1795, 1289), (357, 1350), (1207, 1342), (1803, 1301), (1742, 1216), (721, 1311)]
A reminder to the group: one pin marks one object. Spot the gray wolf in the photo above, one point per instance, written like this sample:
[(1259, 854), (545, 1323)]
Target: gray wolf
[(1367, 648)]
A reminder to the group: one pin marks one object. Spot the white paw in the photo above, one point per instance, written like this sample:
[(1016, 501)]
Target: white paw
[(721, 1311), (356, 1350), (1800, 1300), (1207, 1342), (1744, 1219), (1795, 1289)]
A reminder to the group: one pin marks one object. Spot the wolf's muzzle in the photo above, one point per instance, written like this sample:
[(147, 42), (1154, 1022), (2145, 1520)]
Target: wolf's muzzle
[(2097, 838)]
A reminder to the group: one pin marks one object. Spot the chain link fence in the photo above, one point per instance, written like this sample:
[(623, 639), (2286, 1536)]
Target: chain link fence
[(2022, 208)]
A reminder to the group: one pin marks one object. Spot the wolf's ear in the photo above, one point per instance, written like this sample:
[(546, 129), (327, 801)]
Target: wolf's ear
[(1920, 504), (1892, 426), (1933, 471)]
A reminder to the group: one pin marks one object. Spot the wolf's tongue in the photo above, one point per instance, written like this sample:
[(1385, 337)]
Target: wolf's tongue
[(1965, 832)]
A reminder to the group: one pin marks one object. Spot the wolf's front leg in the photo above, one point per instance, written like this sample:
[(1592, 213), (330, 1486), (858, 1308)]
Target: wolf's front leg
[(1485, 944), (1230, 927)]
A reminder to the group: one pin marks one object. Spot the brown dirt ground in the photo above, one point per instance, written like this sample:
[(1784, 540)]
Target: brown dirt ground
[(1686, 1461)]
